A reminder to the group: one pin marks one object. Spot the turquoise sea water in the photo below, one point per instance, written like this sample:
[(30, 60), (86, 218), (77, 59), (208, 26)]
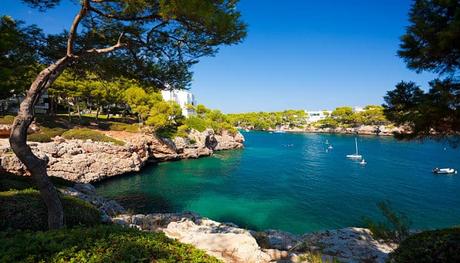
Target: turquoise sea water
[(290, 182)]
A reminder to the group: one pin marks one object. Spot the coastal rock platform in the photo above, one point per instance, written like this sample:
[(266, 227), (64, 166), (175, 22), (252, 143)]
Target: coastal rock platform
[(89, 161)]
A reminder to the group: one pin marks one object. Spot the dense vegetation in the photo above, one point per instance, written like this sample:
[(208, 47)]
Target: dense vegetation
[(24, 209), (435, 246), (346, 117), (431, 43), (21, 206), (24, 216), (343, 117), (95, 244), (268, 120)]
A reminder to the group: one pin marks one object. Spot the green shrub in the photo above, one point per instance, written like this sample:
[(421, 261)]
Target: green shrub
[(182, 131), (87, 134), (104, 243), (7, 119), (38, 137), (10, 181), (429, 247), (196, 123), (25, 209), (45, 134), (394, 228)]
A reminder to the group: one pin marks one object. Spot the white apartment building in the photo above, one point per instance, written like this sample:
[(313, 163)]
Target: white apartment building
[(182, 97), (314, 116)]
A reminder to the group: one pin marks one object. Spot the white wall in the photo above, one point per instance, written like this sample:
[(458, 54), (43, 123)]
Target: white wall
[(181, 97), (314, 116)]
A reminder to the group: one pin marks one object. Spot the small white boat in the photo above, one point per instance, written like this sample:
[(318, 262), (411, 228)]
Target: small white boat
[(363, 162), (444, 171), (246, 130), (356, 155), (330, 147), (279, 131)]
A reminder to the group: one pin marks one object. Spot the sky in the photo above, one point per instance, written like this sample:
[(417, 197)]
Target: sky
[(298, 54)]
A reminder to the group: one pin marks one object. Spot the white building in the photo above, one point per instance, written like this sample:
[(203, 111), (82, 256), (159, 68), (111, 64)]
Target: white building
[(314, 116), (183, 98), (358, 109), (11, 105)]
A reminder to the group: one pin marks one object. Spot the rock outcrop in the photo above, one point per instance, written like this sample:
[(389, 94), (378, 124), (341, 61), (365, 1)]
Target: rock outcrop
[(230, 243), (88, 161)]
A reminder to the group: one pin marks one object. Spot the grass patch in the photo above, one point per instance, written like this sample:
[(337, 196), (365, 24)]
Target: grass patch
[(88, 134), (7, 119), (104, 243), (429, 246), (24, 209)]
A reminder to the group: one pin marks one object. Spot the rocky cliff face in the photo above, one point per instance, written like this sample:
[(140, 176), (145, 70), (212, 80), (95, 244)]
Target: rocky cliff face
[(88, 161)]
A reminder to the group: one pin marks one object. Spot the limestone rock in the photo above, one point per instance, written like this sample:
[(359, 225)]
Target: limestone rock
[(87, 161), (350, 245), (224, 241)]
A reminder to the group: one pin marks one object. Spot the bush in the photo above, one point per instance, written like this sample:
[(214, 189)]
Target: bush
[(38, 137), (7, 119), (25, 209), (395, 227), (104, 243), (87, 134), (196, 123), (45, 134), (16, 182), (429, 247), (182, 131)]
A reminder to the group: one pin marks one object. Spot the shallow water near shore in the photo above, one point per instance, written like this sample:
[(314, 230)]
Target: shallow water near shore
[(290, 182)]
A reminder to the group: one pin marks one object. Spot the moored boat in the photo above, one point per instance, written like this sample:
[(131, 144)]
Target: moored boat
[(444, 171), (356, 155)]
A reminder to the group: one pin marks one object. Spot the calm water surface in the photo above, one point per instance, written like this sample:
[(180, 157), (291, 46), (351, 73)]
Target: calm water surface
[(290, 182)]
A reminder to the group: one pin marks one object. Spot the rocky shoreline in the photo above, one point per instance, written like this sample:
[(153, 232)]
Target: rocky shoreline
[(89, 161), (381, 130), (230, 243)]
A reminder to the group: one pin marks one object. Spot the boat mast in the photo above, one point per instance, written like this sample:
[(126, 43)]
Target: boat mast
[(356, 145)]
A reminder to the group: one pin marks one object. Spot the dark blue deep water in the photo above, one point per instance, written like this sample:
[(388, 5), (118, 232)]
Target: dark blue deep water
[(290, 182)]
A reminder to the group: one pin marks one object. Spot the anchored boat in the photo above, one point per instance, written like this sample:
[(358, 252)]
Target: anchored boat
[(356, 155), (444, 171)]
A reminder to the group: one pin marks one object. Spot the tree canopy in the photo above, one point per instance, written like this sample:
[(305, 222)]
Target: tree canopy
[(160, 39), (19, 56), (431, 43)]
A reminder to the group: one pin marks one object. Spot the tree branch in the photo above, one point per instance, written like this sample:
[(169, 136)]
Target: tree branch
[(73, 29), (118, 45), (125, 18)]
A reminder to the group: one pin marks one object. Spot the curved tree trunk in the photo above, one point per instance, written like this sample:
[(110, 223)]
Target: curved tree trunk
[(18, 141), (18, 136)]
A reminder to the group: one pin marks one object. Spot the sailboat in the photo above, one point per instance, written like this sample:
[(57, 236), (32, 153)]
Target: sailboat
[(356, 155)]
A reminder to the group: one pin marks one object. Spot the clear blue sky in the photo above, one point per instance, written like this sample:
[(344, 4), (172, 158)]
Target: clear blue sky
[(299, 54)]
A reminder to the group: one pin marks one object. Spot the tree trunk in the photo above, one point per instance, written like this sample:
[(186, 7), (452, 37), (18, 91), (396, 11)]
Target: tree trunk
[(18, 141), (78, 110), (98, 109)]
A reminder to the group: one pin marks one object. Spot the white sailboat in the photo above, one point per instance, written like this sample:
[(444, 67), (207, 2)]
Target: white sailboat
[(356, 155)]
